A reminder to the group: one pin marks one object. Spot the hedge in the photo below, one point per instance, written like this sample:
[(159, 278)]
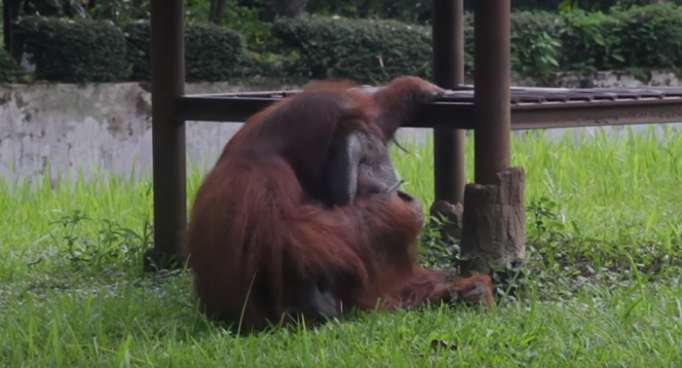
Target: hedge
[(640, 37), (542, 43), (535, 49), (73, 50), (377, 50), (138, 36), (9, 70), (650, 36), (82, 50), (347, 48), (212, 54), (364, 50)]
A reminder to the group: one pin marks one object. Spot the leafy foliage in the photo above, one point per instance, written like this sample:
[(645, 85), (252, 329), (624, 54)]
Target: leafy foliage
[(636, 38), (213, 53), (120, 11), (9, 70), (403, 10), (257, 33), (651, 36), (71, 50), (364, 50), (535, 49), (55, 8), (645, 37), (112, 245), (588, 41), (138, 40), (605, 5), (542, 43)]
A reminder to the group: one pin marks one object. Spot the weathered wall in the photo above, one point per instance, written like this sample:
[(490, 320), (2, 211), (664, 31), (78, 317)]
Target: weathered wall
[(59, 128), (63, 129), (617, 79), (67, 129)]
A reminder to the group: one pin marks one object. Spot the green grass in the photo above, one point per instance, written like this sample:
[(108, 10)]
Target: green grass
[(602, 285)]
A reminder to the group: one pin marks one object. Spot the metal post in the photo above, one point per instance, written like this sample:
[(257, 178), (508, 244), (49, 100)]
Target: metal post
[(448, 72), (168, 132), (492, 80)]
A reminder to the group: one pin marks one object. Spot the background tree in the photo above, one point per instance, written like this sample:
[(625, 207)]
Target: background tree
[(284, 8), (216, 11), (10, 12)]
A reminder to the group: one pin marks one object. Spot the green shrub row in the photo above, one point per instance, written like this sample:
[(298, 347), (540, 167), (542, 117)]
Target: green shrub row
[(377, 50), (69, 50), (365, 50), (361, 49), (9, 70), (542, 43), (642, 37), (639, 37), (73, 50), (212, 53)]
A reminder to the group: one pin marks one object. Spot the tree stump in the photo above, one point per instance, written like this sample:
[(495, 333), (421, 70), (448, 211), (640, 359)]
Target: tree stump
[(494, 225)]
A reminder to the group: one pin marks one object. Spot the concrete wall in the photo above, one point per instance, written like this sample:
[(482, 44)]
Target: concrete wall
[(64, 129)]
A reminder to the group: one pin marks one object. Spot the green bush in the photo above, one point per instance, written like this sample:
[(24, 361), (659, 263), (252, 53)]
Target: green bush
[(356, 48), (212, 53), (589, 42), (9, 70), (369, 51), (650, 36), (364, 50), (638, 37), (535, 44), (634, 38), (71, 50), (138, 36)]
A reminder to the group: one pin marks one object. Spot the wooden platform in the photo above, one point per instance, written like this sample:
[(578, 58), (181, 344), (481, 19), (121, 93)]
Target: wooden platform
[(532, 108)]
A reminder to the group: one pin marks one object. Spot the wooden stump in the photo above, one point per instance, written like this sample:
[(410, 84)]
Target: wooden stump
[(494, 226), (450, 217)]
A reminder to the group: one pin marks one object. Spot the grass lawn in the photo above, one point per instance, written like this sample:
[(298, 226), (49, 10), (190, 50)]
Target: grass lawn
[(602, 285)]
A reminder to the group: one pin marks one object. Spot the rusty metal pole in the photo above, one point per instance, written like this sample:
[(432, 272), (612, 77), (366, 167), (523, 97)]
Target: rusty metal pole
[(448, 72), (168, 132), (448, 143), (492, 81)]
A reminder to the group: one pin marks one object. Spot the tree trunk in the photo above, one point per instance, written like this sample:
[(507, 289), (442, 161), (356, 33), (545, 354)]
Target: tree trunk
[(7, 25), (217, 11), (10, 13)]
